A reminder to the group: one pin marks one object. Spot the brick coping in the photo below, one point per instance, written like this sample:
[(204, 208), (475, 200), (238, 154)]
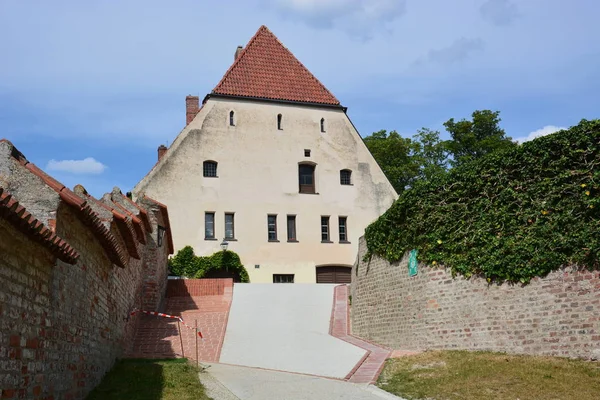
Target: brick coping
[(368, 368)]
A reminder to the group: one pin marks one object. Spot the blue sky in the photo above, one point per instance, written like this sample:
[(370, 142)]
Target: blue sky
[(88, 90)]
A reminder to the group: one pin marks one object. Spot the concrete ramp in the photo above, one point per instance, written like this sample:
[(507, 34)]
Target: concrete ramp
[(286, 327)]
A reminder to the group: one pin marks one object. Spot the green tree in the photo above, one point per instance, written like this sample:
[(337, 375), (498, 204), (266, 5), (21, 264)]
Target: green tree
[(393, 153), (476, 138), (430, 153)]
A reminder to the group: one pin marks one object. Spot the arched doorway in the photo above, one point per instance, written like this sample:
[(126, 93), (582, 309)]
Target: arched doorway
[(334, 274)]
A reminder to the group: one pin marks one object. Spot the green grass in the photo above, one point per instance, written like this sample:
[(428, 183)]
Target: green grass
[(465, 375), (134, 379)]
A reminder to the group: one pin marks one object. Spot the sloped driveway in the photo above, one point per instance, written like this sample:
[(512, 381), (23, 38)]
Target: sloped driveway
[(286, 327)]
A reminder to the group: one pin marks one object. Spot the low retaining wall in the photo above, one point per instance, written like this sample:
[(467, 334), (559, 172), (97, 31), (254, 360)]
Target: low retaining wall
[(197, 287), (556, 315)]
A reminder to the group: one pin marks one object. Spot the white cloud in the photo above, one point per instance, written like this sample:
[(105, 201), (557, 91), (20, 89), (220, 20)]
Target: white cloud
[(86, 166), (499, 12), (357, 17), (547, 130)]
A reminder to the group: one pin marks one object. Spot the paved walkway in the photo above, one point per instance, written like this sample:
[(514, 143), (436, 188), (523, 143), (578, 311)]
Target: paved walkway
[(227, 382), (286, 327), (158, 337), (370, 367)]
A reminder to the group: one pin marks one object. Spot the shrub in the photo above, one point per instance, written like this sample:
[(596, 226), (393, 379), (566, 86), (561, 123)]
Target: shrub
[(186, 263), (511, 215)]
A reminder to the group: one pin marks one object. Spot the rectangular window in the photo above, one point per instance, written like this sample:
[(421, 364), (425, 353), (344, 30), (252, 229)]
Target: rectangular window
[(343, 229), (283, 278), (272, 227), (161, 235), (209, 225), (229, 226), (291, 228), (306, 178), (209, 169), (325, 229)]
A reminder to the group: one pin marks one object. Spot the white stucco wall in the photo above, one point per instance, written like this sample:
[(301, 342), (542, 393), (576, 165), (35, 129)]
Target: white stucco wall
[(258, 175)]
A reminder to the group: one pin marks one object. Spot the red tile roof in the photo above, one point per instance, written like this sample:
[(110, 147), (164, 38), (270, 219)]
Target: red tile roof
[(18, 216), (267, 69), (125, 226)]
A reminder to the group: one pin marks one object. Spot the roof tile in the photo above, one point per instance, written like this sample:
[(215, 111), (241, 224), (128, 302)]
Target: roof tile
[(267, 69), (17, 215)]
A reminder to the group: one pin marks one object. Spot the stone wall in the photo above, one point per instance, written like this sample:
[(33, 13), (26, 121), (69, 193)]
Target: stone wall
[(556, 315)]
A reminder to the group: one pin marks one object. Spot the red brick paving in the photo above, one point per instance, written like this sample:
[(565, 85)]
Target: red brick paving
[(158, 337), (368, 369)]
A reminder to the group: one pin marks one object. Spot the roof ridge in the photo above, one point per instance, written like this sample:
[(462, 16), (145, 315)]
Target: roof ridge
[(237, 60), (24, 221), (108, 241), (260, 77)]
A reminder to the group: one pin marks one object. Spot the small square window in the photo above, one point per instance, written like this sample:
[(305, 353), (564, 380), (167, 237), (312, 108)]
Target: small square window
[(209, 169), (346, 177), (283, 278), (306, 153)]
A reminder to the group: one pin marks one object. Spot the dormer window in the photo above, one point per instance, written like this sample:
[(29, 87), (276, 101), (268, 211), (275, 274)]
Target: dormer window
[(231, 118), (209, 169), (279, 118), (322, 124)]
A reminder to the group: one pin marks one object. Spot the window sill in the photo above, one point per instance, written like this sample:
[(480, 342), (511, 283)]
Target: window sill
[(307, 193), (326, 241), (211, 176), (293, 241), (210, 238), (273, 241), (345, 242), (230, 239), (346, 184)]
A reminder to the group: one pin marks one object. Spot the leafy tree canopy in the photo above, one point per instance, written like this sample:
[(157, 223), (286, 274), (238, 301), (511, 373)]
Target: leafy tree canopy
[(405, 161), (476, 138)]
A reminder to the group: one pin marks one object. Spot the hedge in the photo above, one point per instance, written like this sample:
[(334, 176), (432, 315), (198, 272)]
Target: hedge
[(509, 216)]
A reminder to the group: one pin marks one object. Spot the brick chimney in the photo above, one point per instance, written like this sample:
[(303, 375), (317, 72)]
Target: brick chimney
[(192, 105), (237, 52), (162, 150)]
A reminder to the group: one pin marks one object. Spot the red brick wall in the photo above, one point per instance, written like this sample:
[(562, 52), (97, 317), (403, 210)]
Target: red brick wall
[(61, 325), (197, 287), (555, 315)]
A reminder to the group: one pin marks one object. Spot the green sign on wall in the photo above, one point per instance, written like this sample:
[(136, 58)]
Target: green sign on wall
[(412, 263)]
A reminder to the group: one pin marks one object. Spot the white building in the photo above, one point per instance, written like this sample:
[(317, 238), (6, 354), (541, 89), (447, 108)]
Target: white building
[(271, 163)]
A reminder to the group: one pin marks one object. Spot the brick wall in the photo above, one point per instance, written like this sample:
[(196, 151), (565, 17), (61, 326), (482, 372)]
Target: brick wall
[(62, 325), (556, 315), (72, 268), (197, 287)]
